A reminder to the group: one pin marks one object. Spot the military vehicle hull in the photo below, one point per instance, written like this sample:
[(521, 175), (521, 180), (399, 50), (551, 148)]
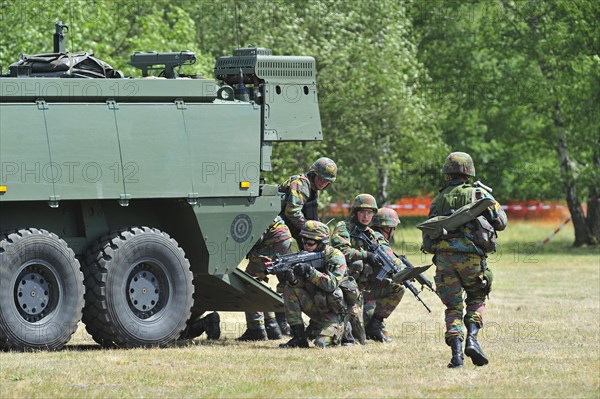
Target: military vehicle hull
[(130, 203)]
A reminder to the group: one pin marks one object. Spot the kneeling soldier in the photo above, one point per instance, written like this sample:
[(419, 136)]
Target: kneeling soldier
[(382, 296), (317, 293)]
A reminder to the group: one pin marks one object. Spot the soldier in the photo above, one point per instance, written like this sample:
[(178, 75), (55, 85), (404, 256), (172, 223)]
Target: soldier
[(460, 263), (302, 193), (299, 205), (276, 240), (364, 267), (384, 222), (314, 292)]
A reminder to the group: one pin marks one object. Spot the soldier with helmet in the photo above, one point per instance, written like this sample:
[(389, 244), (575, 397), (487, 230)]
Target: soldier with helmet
[(302, 193), (384, 222), (317, 293), (299, 205), (460, 261), (364, 267)]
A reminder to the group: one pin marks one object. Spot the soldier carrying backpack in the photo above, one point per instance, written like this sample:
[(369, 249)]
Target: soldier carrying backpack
[(461, 230)]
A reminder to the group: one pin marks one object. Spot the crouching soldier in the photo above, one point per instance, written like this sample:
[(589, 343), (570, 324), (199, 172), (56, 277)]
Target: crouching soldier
[(317, 293), (384, 295)]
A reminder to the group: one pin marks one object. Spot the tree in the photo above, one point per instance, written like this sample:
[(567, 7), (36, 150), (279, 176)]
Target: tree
[(536, 70)]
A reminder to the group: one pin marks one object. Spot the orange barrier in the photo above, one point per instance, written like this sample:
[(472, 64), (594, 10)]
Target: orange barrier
[(419, 206)]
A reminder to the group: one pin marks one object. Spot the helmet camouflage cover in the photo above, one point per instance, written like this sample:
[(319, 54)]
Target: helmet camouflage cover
[(459, 162), (364, 201), (315, 230), (325, 168), (385, 217)]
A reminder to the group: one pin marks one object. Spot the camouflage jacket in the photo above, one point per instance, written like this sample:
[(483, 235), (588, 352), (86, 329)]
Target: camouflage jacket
[(455, 194), (300, 202), (353, 248), (335, 271)]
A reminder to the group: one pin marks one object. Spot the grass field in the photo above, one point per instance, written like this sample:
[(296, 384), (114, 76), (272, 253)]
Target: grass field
[(542, 336)]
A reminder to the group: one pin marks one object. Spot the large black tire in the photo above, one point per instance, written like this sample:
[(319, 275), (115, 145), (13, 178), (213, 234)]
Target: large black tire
[(139, 289), (41, 291)]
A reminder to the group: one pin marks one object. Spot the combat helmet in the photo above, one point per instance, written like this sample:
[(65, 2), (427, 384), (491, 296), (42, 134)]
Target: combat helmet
[(315, 230), (385, 217), (459, 162), (325, 168), (364, 201)]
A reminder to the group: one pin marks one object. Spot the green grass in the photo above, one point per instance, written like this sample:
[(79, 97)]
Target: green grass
[(542, 336)]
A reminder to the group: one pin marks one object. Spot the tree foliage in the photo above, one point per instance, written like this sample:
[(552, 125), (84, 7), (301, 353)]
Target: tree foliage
[(514, 83)]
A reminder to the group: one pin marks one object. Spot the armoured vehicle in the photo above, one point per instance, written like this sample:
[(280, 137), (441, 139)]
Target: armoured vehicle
[(128, 203)]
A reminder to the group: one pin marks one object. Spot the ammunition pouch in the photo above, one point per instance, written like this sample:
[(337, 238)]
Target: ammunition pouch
[(350, 290), (330, 302), (483, 234), (336, 302), (320, 299), (428, 244), (487, 279)]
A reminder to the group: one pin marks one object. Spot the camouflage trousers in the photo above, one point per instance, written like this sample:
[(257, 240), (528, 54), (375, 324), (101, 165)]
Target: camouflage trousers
[(298, 300), (271, 245), (381, 298), (457, 272)]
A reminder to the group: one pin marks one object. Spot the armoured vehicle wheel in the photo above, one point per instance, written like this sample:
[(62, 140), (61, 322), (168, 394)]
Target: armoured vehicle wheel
[(41, 290), (139, 289)]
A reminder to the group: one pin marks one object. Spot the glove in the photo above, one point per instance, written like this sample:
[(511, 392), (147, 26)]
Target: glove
[(302, 269), (290, 277), (373, 259), (356, 266)]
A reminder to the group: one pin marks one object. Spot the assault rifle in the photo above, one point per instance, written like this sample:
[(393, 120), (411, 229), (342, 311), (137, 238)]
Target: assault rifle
[(283, 263), (401, 276)]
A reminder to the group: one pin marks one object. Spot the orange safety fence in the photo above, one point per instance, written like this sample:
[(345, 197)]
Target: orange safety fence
[(543, 211)]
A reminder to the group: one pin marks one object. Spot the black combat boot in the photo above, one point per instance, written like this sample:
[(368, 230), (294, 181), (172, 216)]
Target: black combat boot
[(273, 330), (209, 324), (213, 326), (255, 334), (472, 348), (283, 324), (299, 338), (455, 344), (374, 330)]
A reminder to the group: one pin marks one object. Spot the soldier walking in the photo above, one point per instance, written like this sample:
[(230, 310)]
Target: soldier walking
[(460, 258)]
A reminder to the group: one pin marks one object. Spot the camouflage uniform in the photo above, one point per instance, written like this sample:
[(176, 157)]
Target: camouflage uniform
[(301, 298), (301, 195), (276, 240), (460, 264), (314, 292), (385, 217), (379, 298)]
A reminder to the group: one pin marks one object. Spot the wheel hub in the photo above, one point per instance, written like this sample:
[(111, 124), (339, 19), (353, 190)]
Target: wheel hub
[(33, 293), (144, 291)]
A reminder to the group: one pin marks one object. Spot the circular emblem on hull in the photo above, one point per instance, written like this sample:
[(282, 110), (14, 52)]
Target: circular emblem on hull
[(241, 227)]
